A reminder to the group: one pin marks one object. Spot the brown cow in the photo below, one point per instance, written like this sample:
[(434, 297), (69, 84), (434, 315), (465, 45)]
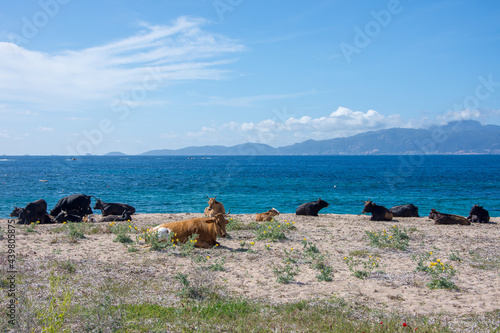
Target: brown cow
[(440, 218), (214, 207), (267, 216), (207, 228)]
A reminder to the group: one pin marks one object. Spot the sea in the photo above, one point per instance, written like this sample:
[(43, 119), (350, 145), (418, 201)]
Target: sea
[(252, 184)]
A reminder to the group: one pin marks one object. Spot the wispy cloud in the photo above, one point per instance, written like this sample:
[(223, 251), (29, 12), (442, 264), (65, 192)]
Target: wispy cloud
[(180, 51)]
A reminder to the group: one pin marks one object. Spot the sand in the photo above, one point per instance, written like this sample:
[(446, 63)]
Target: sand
[(397, 286)]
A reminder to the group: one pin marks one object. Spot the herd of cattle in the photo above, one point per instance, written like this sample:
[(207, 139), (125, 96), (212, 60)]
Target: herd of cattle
[(76, 208)]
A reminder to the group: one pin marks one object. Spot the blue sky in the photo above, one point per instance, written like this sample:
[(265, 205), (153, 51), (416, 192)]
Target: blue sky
[(90, 76)]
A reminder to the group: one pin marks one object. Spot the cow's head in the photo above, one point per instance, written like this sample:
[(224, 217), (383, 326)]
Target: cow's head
[(476, 210), (98, 204), (433, 214), (273, 212), (368, 206), (15, 212), (24, 215), (211, 201), (220, 224), (323, 203)]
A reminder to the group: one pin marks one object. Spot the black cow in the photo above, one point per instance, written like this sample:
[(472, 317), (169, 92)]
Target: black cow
[(311, 208), (440, 218), (379, 213), (15, 212), (35, 211), (77, 204), (408, 210), (111, 218), (478, 214), (67, 217), (112, 208)]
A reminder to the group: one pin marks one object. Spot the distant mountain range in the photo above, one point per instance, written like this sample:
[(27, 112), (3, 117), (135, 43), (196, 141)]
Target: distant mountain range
[(458, 137)]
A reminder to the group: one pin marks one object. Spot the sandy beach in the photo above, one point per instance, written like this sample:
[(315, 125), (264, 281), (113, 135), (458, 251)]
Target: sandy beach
[(395, 285)]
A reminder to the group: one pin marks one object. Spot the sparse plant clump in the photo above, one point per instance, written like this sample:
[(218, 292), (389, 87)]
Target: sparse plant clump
[(398, 238), (247, 247), (440, 272), (273, 230), (75, 231), (218, 266), (286, 274), (317, 261), (368, 265)]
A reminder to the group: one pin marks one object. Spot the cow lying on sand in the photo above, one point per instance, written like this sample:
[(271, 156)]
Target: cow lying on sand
[(440, 218), (77, 204), (267, 216), (214, 207), (35, 211), (112, 218), (311, 208), (478, 214), (207, 229), (379, 213), (113, 208)]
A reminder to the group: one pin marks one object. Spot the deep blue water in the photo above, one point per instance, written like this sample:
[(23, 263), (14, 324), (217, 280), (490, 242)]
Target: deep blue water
[(250, 184)]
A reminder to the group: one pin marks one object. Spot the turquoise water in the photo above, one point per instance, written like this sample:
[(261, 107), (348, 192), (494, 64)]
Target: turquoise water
[(250, 184)]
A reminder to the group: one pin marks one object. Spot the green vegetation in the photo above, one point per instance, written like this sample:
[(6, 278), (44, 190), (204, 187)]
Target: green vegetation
[(368, 265), (396, 239), (273, 230)]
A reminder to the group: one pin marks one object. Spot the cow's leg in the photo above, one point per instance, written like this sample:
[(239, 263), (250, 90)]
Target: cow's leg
[(203, 244)]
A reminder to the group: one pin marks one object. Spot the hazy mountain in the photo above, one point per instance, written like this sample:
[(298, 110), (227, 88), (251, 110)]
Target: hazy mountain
[(458, 137)]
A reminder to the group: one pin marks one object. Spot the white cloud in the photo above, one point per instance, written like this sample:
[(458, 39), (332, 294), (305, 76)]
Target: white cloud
[(276, 132), (342, 122), (459, 115), (156, 55)]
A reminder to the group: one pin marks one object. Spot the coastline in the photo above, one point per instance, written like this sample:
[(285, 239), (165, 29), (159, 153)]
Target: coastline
[(395, 286)]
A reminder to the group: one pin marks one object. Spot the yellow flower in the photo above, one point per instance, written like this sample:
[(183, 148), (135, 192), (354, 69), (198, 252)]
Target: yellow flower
[(269, 227), (291, 249), (64, 222), (279, 226), (285, 220), (430, 253), (130, 226), (252, 243), (268, 245), (140, 238), (304, 239), (177, 239), (128, 220), (451, 266), (394, 226), (173, 245), (390, 237), (293, 222), (287, 223), (438, 260), (208, 257), (264, 232), (370, 256), (135, 228), (442, 264), (217, 244), (378, 258), (37, 221), (345, 258)]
